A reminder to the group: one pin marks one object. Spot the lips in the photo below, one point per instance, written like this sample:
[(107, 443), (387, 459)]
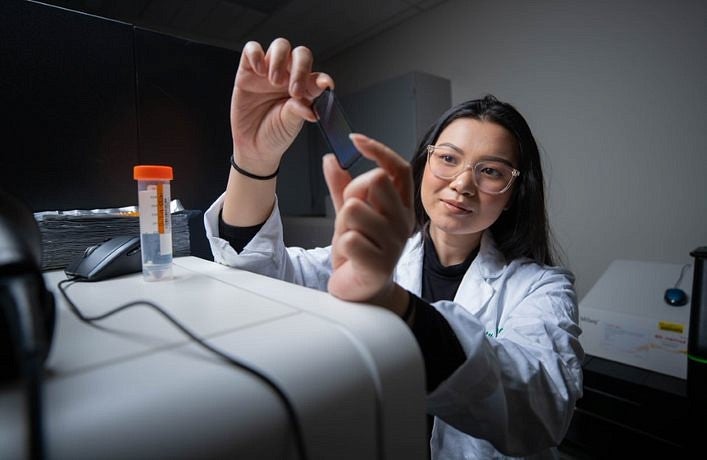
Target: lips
[(456, 206)]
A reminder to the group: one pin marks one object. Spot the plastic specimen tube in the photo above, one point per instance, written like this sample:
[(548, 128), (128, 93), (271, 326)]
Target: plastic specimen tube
[(153, 190)]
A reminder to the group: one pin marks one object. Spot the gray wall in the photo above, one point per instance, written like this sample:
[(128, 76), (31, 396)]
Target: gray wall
[(615, 93)]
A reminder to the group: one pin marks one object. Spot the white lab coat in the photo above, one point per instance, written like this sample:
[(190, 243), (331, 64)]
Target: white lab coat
[(517, 323)]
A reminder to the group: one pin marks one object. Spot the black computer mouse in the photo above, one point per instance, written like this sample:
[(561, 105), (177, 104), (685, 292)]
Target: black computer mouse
[(114, 257), (675, 297)]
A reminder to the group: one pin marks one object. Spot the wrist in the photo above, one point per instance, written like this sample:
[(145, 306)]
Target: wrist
[(252, 175), (257, 165), (394, 298)]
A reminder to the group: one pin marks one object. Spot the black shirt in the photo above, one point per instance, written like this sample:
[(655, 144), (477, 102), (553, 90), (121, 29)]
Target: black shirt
[(440, 282)]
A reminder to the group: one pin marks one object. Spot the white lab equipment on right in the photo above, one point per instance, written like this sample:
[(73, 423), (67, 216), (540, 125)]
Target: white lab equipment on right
[(625, 318)]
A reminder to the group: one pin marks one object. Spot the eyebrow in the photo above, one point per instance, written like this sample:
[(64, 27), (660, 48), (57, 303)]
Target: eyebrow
[(484, 158)]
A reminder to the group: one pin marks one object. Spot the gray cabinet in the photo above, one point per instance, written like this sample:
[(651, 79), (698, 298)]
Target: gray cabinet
[(399, 111)]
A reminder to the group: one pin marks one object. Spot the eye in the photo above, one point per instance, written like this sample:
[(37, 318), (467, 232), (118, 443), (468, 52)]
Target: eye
[(448, 159), (492, 171)]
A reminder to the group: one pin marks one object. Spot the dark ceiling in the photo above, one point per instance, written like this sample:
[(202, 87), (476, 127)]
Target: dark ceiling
[(328, 27)]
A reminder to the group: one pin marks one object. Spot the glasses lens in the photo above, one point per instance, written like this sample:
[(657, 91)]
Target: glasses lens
[(492, 176), (445, 164)]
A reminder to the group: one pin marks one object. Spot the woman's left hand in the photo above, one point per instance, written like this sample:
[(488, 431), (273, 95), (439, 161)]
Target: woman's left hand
[(374, 219)]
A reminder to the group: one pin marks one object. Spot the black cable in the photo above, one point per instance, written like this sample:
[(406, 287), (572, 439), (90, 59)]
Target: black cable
[(299, 438), (34, 404), (682, 274)]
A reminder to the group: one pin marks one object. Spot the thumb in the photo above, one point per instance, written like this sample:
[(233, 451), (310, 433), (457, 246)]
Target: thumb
[(336, 179)]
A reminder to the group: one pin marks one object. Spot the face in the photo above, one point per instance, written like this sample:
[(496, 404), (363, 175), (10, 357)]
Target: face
[(458, 211)]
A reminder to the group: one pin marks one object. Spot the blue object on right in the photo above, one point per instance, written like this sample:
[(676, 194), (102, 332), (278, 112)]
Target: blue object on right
[(675, 297)]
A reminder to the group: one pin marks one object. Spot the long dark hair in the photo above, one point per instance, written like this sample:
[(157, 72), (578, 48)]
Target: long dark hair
[(522, 230)]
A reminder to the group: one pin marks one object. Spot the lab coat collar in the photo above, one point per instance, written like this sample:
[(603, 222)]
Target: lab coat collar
[(476, 288), (490, 262), (408, 273)]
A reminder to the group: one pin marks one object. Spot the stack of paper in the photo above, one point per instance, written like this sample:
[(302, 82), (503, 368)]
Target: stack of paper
[(67, 234)]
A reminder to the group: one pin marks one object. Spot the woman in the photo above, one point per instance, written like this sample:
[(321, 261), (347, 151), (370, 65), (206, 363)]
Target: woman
[(495, 321)]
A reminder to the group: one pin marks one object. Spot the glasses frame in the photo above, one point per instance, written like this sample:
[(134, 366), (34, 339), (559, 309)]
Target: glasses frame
[(471, 166)]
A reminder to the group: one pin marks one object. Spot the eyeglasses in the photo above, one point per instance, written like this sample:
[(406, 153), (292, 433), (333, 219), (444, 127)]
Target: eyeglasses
[(493, 177)]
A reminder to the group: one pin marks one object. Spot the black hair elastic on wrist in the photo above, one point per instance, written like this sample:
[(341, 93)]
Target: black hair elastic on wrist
[(250, 174)]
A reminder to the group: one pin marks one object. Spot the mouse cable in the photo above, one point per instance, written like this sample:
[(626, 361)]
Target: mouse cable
[(682, 273), (296, 427)]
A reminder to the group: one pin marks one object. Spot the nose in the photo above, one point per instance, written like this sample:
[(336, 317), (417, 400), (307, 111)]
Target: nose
[(464, 183)]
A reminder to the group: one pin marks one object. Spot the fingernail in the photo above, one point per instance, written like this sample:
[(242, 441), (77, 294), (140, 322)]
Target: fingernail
[(259, 67), (358, 136)]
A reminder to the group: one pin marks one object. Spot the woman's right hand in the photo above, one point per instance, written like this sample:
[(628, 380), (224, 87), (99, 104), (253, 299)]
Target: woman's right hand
[(374, 219), (272, 97)]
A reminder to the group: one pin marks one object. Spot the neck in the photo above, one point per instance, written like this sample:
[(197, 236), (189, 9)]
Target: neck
[(453, 249)]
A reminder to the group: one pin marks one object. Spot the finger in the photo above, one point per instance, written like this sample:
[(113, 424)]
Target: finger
[(253, 58), (302, 105), (278, 60), (379, 152), (357, 215), (300, 70), (315, 84), (336, 179), (396, 166), (320, 82), (384, 197), (358, 188), (376, 188), (360, 250), (302, 108), (375, 179)]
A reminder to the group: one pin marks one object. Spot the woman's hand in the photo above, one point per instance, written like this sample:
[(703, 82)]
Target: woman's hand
[(374, 218), (272, 96)]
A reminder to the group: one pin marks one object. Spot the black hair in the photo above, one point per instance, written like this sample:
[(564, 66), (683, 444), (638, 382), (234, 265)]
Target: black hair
[(522, 230)]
